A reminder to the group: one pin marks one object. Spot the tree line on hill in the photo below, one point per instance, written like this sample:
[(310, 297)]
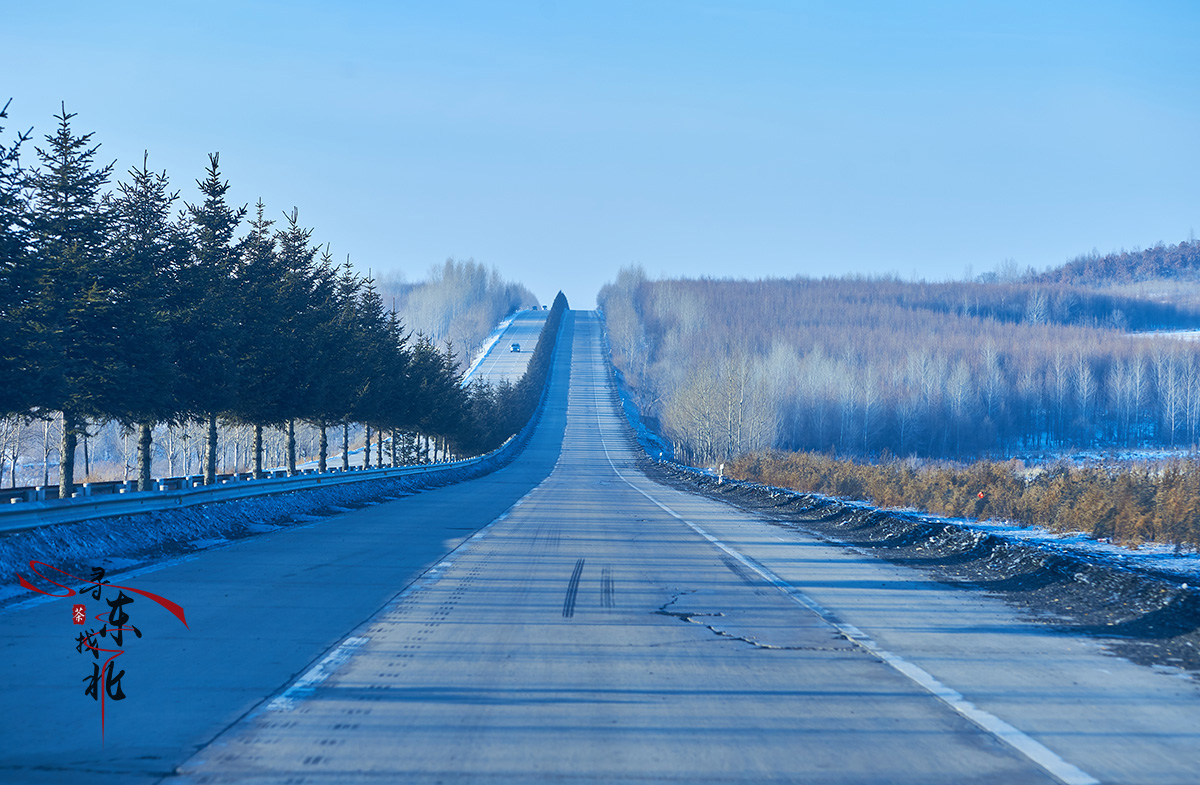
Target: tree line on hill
[(862, 366), (1179, 262), (112, 308)]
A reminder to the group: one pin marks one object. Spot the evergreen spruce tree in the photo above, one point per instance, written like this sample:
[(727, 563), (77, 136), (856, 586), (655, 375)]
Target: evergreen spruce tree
[(391, 390), (452, 399), (146, 250), (19, 391), (437, 400), (74, 307), (209, 309), (329, 357), (347, 386), (398, 378), (261, 362), (370, 331), (297, 339)]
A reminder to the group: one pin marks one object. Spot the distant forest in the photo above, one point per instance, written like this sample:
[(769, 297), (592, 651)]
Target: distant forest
[(130, 305), (867, 366)]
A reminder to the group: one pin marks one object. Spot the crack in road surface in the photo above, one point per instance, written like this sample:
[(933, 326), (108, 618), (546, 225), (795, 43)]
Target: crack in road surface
[(694, 617), (745, 575)]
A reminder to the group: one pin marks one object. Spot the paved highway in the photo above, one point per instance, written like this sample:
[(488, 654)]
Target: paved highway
[(588, 626), (259, 612), (502, 363)]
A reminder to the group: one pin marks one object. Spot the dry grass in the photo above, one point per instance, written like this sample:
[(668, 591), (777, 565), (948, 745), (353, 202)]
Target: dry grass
[(1128, 503)]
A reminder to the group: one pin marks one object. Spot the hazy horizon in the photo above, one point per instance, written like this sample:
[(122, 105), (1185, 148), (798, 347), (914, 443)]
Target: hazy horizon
[(560, 144)]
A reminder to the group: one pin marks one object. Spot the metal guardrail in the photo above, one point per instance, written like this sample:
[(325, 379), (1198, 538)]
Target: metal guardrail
[(29, 515), (45, 493), (20, 515)]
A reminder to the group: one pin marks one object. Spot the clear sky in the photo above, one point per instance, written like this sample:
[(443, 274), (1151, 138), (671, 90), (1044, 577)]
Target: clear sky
[(560, 141)]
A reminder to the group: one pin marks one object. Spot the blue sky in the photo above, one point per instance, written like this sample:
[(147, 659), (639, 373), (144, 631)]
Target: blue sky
[(561, 141)]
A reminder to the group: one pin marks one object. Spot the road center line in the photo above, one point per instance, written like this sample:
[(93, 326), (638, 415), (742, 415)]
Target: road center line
[(1027, 746)]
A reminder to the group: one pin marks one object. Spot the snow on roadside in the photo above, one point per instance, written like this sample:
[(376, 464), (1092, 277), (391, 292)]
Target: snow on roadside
[(650, 441), (1148, 557), (120, 542)]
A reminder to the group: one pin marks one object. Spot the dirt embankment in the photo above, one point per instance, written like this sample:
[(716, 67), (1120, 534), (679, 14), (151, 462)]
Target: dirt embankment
[(1150, 617)]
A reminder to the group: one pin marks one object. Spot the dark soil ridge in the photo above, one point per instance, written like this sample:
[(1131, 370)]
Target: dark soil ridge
[(1144, 615)]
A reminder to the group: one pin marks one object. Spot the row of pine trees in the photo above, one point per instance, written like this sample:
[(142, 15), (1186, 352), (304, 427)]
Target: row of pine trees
[(132, 304)]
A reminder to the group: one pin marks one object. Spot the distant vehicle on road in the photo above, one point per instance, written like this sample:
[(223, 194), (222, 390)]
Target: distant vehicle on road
[(516, 347)]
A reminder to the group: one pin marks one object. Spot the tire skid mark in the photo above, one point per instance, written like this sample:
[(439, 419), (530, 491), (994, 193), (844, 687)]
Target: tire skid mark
[(742, 573), (568, 609)]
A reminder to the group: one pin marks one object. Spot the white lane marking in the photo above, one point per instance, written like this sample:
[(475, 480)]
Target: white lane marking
[(1032, 749), (306, 684)]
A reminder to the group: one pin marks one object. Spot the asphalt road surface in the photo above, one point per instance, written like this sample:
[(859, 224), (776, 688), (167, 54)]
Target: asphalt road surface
[(568, 620), (502, 363)]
